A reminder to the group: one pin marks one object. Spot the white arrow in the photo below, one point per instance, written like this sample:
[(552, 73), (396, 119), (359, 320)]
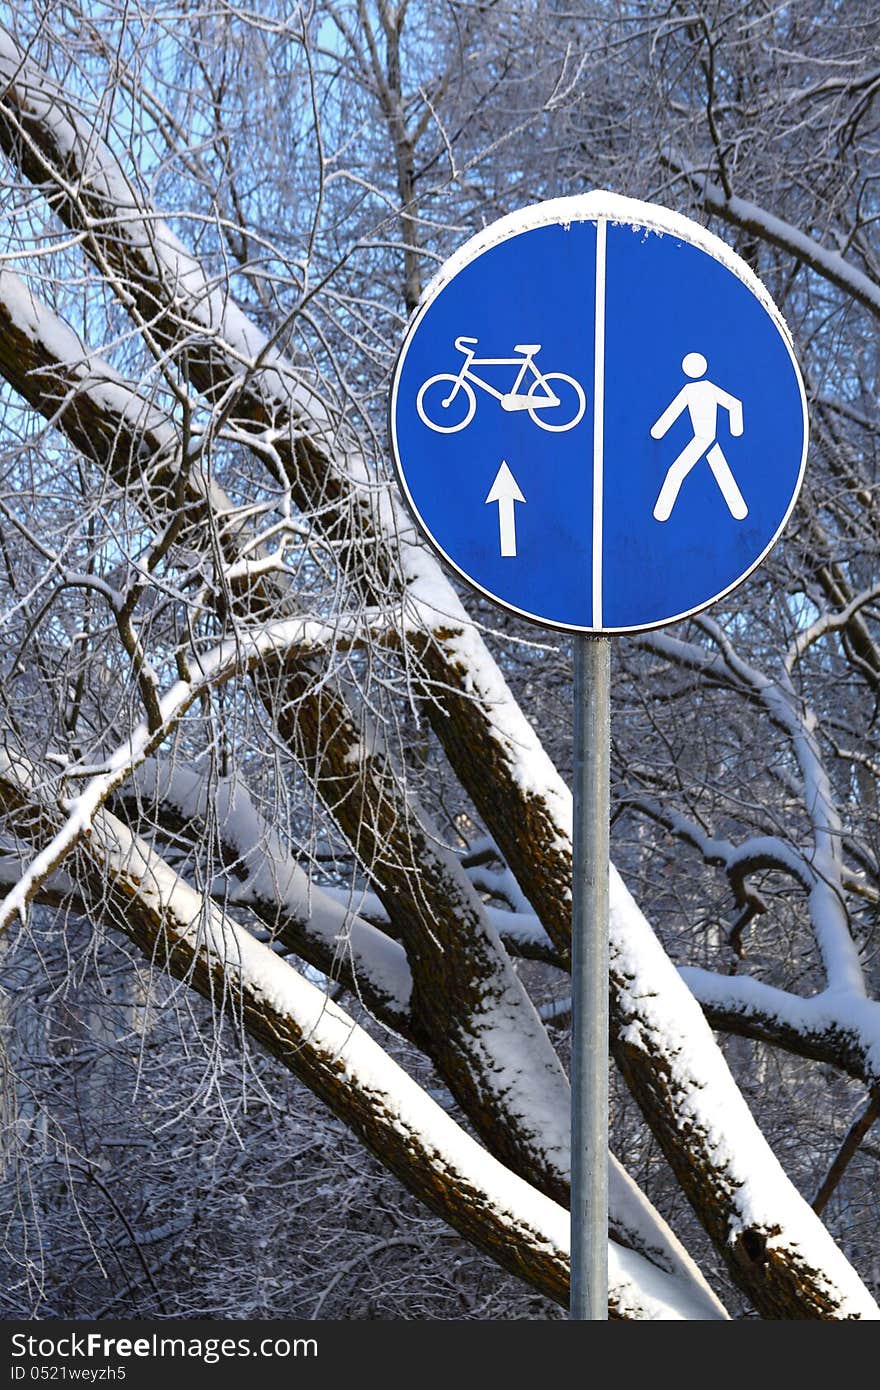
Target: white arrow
[(505, 491)]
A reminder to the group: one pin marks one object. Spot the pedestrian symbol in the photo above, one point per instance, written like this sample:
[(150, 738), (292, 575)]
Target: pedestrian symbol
[(701, 400)]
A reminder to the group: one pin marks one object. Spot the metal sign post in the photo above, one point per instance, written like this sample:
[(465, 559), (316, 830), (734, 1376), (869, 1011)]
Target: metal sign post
[(598, 422), (589, 980)]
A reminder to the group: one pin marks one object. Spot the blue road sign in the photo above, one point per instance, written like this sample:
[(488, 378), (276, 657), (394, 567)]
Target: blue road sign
[(597, 417)]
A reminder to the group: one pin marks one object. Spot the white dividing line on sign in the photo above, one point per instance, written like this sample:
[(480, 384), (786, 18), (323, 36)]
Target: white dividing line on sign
[(599, 419)]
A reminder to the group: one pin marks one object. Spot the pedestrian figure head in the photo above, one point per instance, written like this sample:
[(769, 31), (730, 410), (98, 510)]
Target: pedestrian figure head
[(694, 364)]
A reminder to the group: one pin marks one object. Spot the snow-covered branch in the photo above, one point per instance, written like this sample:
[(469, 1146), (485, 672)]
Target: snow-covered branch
[(261, 873), (362, 788), (770, 1232), (827, 898), (835, 1027), (234, 657), (758, 221), (262, 994), (828, 623)]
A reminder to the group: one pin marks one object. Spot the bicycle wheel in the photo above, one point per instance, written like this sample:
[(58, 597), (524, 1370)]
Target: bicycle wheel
[(437, 396), (572, 402)]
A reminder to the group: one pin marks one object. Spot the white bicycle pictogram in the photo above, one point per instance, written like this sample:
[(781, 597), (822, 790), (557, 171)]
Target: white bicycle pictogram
[(547, 392)]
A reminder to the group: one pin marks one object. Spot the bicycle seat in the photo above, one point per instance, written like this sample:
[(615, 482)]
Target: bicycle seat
[(463, 344), (527, 347)]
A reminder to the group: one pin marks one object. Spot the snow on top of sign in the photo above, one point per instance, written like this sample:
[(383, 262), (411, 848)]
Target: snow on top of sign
[(590, 207)]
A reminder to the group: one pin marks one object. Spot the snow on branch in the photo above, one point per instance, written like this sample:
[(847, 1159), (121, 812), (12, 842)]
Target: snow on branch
[(278, 889), (827, 898), (324, 927), (828, 623), (769, 1233), (180, 930), (232, 657), (521, 1090), (749, 217), (819, 866), (835, 1026)]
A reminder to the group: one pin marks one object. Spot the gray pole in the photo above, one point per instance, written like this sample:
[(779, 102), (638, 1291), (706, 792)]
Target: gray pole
[(589, 980)]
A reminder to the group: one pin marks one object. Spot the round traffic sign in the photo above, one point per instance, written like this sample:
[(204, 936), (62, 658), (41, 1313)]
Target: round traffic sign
[(597, 417)]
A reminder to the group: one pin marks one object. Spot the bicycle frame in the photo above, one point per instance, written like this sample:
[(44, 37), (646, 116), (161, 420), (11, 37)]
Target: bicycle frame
[(537, 397), (467, 373)]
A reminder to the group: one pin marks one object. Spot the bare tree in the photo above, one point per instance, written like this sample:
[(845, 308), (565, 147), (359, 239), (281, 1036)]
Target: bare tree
[(249, 725)]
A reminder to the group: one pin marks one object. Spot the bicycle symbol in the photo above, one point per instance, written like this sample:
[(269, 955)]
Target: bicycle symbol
[(554, 401)]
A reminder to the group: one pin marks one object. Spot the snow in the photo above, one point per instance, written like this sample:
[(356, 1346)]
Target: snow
[(430, 600), (271, 876), (412, 1121), (614, 208), (830, 264), (11, 867), (667, 1020), (498, 882), (466, 653), (828, 622), (508, 1049), (834, 1012), (226, 660), (92, 374), (520, 928), (827, 899), (507, 1044), (39, 324), (101, 178)]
